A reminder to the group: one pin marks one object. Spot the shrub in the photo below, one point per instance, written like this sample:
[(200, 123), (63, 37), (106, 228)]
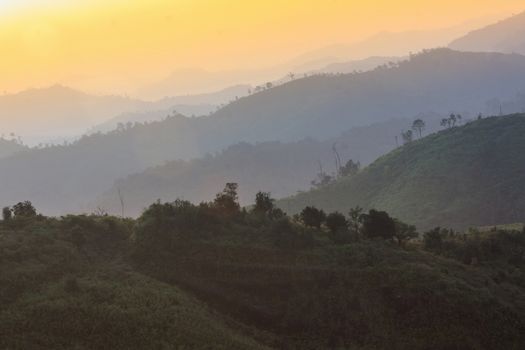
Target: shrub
[(378, 224), (312, 217)]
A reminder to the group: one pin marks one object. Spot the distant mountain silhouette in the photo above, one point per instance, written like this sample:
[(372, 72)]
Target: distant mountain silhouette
[(60, 113), (506, 36), (189, 105), (43, 114), (440, 81), (9, 147)]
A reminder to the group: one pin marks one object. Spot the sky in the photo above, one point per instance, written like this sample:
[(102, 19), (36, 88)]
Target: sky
[(117, 45)]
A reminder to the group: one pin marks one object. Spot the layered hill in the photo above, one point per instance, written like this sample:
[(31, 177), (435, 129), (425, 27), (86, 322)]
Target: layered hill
[(471, 175), (323, 106), (504, 36), (58, 112), (10, 147), (280, 168), (39, 115), (439, 80)]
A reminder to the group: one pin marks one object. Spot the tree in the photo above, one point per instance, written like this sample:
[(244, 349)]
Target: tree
[(418, 125), (24, 209), (378, 224), (404, 232), (227, 201), (433, 239), (452, 120), (350, 168), (444, 123), (7, 214), (355, 219), (264, 203), (336, 222), (407, 136), (312, 217), (322, 178)]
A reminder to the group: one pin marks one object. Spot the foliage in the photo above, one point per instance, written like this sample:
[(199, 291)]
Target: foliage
[(351, 168), (378, 224), (227, 202), (24, 210), (312, 217), (186, 276), (264, 203), (404, 232), (408, 136), (336, 222), (419, 125), (7, 214)]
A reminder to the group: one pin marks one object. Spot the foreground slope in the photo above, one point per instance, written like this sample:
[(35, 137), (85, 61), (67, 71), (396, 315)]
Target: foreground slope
[(471, 175), (61, 292), (192, 277)]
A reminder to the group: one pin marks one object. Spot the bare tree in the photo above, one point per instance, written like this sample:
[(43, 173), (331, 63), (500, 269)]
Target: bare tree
[(121, 198), (337, 158)]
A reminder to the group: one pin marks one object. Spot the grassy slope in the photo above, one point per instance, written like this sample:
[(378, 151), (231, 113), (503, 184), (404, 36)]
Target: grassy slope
[(363, 296), (54, 296), (471, 175), (237, 290)]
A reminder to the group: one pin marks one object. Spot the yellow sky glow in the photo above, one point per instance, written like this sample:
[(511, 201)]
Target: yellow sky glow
[(120, 44)]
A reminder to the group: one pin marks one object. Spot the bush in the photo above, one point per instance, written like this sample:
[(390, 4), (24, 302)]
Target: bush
[(378, 224), (312, 217)]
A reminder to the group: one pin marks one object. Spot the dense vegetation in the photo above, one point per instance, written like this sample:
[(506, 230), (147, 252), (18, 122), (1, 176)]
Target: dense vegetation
[(464, 176), (187, 276)]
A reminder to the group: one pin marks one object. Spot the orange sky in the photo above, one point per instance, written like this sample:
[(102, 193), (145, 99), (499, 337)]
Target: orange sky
[(113, 44)]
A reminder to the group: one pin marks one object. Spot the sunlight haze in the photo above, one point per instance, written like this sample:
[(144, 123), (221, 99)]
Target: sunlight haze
[(120, 46)]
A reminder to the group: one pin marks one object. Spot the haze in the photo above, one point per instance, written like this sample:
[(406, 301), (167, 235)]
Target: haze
[(121, 46)]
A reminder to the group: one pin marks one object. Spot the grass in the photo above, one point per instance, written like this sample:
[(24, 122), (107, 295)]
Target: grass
[(462, 177)]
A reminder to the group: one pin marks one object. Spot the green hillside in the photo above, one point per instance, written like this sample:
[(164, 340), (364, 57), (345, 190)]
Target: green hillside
[(65, 284), (216, 277), (472, 175)]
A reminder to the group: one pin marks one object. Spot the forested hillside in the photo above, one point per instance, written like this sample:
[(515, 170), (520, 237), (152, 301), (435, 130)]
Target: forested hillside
[(281, 168), (470, 175), (320, 106), (186, 276)]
